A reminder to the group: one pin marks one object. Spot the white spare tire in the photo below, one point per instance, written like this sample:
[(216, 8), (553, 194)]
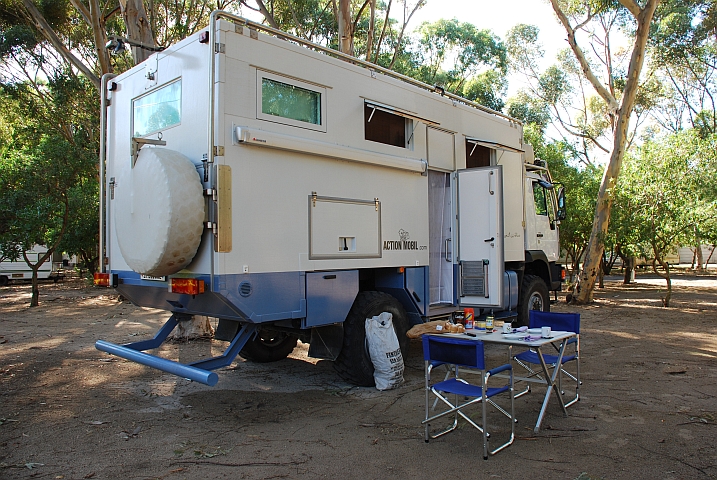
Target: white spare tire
[(159, 212)]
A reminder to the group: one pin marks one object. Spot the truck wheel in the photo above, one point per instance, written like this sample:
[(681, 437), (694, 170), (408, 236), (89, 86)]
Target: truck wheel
[(268, 347), (354, 362), (3, 281), (534, 295)]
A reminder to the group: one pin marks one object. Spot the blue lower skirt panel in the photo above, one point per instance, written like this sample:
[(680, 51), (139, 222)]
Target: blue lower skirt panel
[(255, 298)]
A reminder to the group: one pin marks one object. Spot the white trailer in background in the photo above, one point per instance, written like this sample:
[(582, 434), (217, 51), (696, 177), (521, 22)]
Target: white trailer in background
[(292, 191), (18, 269)]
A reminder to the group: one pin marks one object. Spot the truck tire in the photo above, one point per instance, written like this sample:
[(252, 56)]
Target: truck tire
[(534, 295), (4, 281), (268, 346), (354, 362)]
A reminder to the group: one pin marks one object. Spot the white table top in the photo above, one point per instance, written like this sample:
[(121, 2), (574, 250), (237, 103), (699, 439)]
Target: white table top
[(510, 339)]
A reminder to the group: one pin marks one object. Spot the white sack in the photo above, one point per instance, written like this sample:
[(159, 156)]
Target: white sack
[(385, 351)]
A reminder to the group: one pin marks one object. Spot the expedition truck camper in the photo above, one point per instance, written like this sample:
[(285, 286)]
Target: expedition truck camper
[(292, 191)]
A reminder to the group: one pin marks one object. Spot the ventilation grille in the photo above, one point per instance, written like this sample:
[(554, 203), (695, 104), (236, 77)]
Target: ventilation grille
[(245, 289), (473, 279)]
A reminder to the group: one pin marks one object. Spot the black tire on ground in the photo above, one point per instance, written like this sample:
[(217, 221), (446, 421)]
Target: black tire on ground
[(534, 295), (354, 363), (268, 346), (3, 280)]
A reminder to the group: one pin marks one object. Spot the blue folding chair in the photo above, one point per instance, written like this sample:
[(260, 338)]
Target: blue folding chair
[(568, 322), (463, 353)]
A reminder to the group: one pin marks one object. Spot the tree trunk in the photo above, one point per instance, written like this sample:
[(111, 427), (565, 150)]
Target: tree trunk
[(99, 32), (601, 274), (700, 259), (629, 273), (666, 276), (138, 28), (198, 327), (371, 31), (345, 33), (35, 299)]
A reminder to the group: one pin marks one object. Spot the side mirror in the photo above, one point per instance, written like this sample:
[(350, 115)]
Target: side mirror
[(561, 203)]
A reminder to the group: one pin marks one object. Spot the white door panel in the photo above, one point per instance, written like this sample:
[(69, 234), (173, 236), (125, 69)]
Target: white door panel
[(480, 236)]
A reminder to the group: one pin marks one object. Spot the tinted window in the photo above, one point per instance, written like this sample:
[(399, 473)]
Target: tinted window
[(158, 110), (289, 101)]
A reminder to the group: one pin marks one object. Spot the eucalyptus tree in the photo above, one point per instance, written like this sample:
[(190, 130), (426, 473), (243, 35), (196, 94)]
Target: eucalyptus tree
[(575, 17)]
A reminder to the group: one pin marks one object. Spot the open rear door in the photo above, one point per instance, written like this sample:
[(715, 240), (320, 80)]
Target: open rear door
[(480, 237)]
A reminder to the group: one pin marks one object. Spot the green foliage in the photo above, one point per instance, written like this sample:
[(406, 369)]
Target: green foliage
[(477, 59), (667, 195)]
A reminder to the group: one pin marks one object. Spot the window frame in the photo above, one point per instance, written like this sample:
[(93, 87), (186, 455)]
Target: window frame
[(152, 92), (260, 115)]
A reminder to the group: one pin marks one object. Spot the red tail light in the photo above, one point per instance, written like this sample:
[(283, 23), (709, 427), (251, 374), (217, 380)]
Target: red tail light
[(187, 286), (105, 279), (562, 274)]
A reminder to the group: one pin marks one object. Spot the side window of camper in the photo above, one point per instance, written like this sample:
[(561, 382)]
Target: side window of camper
[(385, 127), (157, 110), (478, 155), (291, 102), (541, 205)]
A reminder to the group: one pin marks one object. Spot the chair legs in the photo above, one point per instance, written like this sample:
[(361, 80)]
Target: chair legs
[(456, 409)]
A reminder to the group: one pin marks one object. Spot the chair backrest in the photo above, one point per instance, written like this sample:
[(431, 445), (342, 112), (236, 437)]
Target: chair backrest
[(452, 350), (568, 322)]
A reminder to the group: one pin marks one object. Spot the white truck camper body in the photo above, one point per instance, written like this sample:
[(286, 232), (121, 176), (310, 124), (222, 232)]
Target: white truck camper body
[(305, 193)]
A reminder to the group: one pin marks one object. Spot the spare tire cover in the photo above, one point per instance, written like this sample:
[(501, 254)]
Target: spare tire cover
[(159, 212)]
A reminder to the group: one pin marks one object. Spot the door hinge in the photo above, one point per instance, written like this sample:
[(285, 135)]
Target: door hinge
[(219, 48), (218, 151)]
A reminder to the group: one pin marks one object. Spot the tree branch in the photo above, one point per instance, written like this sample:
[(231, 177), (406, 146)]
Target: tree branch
[(83, 11), (584, 65), (632, 6), (46, 30)]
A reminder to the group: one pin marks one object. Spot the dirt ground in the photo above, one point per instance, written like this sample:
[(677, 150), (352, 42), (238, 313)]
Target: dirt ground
[(648, 408)]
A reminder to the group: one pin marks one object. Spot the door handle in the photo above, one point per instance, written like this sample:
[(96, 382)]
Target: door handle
[(447, 255), (539, 235), (489, 239)]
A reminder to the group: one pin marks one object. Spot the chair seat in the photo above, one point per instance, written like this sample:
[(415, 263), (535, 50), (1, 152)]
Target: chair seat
[(459, 388), (532, 357)]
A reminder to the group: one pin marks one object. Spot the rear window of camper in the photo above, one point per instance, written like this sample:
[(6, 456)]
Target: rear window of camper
[(157, 110), (291, 102)]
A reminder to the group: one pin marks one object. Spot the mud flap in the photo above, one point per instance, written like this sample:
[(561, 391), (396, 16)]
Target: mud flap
[(326, 341)]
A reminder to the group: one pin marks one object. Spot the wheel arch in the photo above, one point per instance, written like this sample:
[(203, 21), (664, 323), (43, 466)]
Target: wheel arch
[(536, 263)]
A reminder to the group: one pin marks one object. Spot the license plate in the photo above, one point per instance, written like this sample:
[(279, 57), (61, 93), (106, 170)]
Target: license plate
[(154, 279)]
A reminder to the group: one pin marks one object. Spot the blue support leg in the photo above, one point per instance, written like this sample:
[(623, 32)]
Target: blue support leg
[(197, 371)]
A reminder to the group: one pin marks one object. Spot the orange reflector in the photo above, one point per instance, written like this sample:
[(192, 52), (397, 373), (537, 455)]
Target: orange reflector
[(401, 269), (562, 273), (187, 286), (102, 279)]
